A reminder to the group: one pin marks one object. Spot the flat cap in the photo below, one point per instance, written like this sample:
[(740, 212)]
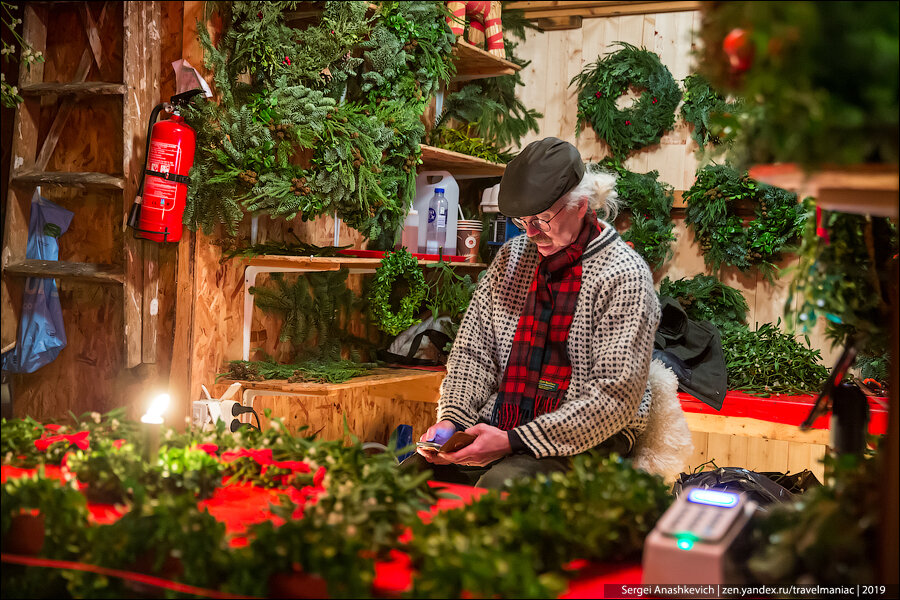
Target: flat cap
[(539, 176)]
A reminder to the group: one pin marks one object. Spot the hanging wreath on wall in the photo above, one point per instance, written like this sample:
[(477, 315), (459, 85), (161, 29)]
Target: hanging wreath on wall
[(397, 264), (702, 107), (642, 124), (724, 238), (650, 203)]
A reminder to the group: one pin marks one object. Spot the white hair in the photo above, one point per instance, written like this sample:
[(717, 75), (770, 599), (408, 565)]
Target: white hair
[(598, 188)]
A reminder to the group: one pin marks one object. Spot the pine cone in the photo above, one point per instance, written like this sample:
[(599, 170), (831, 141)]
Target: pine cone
[(244, 372), (249, 178)]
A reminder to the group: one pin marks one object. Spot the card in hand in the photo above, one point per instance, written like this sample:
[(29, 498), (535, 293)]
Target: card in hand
[(457, 441)]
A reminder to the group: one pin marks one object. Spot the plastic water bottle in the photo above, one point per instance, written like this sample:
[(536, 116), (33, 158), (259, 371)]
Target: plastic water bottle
[(436, 237)]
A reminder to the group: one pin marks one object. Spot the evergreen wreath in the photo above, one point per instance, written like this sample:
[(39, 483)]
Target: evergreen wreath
[(724, 238), (705, 298), (643, 123), (702, 105), (397, 264), (650, 202)]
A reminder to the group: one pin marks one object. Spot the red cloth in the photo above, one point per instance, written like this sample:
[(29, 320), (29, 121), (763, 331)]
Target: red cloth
[(79, 439), (789, 410)]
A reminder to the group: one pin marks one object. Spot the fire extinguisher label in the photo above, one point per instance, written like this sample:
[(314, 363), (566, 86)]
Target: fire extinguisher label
[(163, 158)]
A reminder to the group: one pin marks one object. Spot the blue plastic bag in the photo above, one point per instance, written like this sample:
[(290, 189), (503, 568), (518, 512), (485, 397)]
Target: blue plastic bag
[(41, 333)]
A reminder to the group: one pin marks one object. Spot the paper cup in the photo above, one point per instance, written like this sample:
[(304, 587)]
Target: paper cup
[(468, 235)]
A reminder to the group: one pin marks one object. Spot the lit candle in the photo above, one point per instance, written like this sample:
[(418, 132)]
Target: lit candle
[(152, 422)]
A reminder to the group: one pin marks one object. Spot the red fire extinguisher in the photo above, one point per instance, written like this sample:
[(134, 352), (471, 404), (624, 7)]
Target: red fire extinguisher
[(159, 204)]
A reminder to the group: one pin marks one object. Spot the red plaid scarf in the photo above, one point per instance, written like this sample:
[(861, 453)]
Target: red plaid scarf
[(538, 372)]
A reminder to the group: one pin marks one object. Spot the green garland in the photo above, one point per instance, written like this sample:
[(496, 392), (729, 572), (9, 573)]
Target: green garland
[(724, 238), (705, 298), (330, 119), (846, 279), (702, 108), (600, 84), (394, 265), (650, 202), (312, 370)]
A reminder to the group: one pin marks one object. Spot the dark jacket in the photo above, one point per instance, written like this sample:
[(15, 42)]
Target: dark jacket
[(693, 350)]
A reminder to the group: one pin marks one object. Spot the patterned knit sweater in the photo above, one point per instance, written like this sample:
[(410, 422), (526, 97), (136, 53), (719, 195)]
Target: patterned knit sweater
[(610, 346)]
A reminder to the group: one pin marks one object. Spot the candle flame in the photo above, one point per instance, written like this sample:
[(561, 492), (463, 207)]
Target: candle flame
[(157, 407)]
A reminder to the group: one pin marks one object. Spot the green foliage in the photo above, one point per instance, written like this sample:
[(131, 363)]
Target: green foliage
[(875, 367), (705, 298), (316, 307), (650, 202), (316, 120), (318, 371), (822, 86), (514, 544), (845, 279), (642, 124), (701, 106), (64, 513), (462, 141), (9, 94), (830, 534), (494, 110), (395, 265), (712, 212), (449, 293), (768, 361), (274, 247)]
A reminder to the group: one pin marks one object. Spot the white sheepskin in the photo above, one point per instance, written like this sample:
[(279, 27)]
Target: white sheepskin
[(665, 446)]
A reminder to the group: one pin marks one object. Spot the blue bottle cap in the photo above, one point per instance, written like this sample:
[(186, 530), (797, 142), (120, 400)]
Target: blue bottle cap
[(438, 190)]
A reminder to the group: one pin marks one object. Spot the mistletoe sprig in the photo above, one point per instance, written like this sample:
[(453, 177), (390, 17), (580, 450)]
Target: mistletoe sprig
[(601, 83), (712, 212), (650, 202), (768, 361)]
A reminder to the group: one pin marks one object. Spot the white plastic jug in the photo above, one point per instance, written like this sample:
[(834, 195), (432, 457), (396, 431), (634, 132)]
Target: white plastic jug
[(426, 182)]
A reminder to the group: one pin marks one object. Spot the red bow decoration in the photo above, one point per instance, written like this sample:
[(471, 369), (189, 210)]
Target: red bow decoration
[(264, 458), (78, 439)]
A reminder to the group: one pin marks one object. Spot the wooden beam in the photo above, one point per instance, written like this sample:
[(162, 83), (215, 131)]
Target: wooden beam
[(77, 89), (75, 179), (93, 272), (559, 23), (538, 10), (745, 426), (93, 33)]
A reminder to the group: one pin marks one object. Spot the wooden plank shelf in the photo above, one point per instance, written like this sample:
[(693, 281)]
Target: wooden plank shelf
[(861, 189), (69, 179), (475, 63), (76, 88), (542, 9), (92, 272), (377, 376), (461, 165), (335, 263)]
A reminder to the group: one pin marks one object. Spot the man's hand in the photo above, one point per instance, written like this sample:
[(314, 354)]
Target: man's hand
[(490, 444), (440, 433)]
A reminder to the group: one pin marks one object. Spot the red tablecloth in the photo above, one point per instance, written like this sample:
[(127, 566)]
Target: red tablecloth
[(240, 506), (790, 410)]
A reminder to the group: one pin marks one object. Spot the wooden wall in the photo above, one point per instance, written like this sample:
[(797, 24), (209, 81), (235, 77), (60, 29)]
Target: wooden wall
[(557, 56), (90, 374)]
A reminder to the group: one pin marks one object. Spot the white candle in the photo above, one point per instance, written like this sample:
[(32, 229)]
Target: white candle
[(152, 422)]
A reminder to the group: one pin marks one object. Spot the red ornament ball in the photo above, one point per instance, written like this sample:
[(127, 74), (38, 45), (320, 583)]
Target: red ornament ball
[(739, 49)]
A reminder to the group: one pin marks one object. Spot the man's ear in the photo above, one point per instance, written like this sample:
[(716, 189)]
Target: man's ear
[(582, 208)]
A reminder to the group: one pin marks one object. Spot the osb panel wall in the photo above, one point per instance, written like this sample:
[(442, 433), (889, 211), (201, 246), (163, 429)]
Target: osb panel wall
[(89, 374), (557, 56)]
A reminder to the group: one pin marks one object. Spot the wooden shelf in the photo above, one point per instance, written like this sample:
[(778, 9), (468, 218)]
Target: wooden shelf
[(541, 9), (861, 189), (475, 63), (379, 376), (461, 165), (335, 263), (92, 272), (69, 179), (76, 88)]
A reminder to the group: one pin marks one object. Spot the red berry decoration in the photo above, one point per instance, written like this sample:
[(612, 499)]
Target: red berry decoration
[(628, 122), (739, 49), (598, 94)]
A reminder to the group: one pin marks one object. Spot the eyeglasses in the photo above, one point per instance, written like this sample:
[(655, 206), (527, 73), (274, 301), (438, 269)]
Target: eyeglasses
[(539, 224)]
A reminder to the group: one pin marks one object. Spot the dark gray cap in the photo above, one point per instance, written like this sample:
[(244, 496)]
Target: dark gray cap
[(539, 176)]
